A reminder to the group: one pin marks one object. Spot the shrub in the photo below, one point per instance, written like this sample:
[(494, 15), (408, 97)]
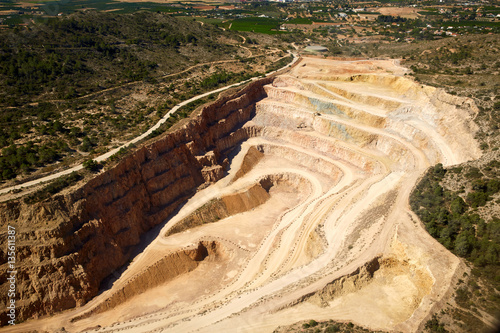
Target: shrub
[(313, 323), (477, 199), (439, 171), (91, 165), (435, 326), (474, 173), (458, 206), (332, 329)]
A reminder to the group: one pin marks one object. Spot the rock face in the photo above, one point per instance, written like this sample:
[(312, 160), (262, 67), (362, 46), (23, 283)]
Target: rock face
[(223, 207), (161, 272), (68, 245)]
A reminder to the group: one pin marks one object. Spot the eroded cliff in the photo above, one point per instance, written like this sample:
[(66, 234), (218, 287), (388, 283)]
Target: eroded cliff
[(68, 245)]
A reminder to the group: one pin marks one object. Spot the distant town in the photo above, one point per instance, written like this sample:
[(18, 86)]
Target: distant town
[(355, 21)]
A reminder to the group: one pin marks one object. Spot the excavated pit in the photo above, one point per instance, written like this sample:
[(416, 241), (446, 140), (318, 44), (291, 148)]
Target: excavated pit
[(283, 202)]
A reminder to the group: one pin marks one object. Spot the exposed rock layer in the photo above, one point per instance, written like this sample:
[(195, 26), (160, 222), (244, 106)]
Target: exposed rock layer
[(223, 207), (160, 272), (83, 237)]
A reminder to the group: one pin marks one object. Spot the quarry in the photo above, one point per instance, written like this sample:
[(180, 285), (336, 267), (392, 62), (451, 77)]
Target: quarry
[(286, 200)]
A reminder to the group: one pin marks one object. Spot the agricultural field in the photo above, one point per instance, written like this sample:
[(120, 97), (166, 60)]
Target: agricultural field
[(256, 24)]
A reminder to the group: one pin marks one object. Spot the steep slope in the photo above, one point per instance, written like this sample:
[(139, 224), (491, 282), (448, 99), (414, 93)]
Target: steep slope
[(68, 245)]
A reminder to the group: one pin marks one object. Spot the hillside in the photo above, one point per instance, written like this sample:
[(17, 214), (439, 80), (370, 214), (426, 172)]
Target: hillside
[(80, 85), (90, 51)]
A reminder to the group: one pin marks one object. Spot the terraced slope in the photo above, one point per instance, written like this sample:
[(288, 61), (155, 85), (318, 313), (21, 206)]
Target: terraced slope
[(311, 220)]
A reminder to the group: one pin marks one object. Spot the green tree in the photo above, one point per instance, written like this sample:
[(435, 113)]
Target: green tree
[(463, 245), (91, 165), (86, 144), (458, 206)]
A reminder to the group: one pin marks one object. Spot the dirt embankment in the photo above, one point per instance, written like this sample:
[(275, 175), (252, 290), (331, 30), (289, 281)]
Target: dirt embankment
[(160, 272), (223, 207), (66, 246), (379, 269)]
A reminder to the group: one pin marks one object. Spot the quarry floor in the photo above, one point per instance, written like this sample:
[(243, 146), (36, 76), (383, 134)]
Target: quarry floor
[(342, 144)]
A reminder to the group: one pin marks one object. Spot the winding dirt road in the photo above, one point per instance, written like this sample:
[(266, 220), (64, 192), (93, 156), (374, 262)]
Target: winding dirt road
[(144, 135)]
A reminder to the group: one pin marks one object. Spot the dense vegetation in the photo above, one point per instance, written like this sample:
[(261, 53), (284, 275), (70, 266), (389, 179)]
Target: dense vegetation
[(24, 158), (53, 75), (50, 58), (453, 221), (460, 220)]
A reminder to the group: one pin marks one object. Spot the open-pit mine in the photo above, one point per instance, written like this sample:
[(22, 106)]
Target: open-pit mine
[(284, 201)]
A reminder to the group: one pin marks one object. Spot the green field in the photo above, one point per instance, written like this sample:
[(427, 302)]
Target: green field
[(300, 20), (474, 24), (54, 7), (257, 24)]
